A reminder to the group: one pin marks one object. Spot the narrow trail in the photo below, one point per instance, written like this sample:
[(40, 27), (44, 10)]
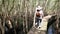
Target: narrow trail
[(33, 30), (43, 25)]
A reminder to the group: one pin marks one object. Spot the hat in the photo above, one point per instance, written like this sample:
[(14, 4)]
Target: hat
[(39, 8)]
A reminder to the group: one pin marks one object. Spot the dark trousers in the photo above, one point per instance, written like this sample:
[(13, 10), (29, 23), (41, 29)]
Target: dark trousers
[(38, 21)]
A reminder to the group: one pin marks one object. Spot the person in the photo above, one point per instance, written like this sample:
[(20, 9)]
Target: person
[(39, 15), (51, 30)]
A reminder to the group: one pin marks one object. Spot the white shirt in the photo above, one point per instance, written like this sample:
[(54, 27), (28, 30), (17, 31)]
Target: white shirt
[(41, 14)]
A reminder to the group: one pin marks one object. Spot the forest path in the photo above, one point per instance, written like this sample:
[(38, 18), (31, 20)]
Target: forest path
[(33, 30), (43, 26)]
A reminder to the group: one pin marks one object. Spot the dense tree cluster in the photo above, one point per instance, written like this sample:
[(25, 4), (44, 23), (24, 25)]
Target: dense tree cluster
[(22, 11)]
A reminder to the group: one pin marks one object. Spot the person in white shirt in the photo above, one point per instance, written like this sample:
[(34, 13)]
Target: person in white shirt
[(39, 15)]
